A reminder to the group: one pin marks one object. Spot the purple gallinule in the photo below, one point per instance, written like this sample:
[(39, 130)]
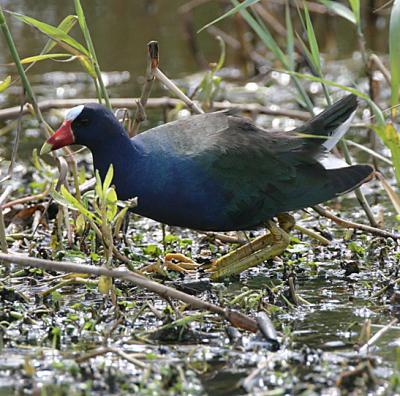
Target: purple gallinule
[(218, 171)]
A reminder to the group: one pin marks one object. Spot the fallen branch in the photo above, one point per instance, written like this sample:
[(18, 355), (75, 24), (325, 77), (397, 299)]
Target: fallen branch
[(237, 319), (357, 226), (131, 103)]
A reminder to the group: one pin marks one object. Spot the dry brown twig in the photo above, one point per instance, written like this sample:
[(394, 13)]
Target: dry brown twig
[(377, 336), (237, 319)]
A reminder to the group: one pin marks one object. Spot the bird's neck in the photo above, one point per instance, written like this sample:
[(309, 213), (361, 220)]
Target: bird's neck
[(123, 154)]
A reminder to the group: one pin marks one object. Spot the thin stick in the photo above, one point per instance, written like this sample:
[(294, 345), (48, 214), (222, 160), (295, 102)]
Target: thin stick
[(17, 138), (359, 194), (104, 350), (370, 151), (377, 336), (237, 319), (3, 238), (357, 226), (374, 60), (312, 234), (152, 64), (173, 88)]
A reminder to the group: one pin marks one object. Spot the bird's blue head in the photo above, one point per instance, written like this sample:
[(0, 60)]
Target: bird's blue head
[(91, 125)]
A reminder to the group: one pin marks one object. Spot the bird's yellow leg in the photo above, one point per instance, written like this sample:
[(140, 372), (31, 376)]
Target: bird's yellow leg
[(260, 249)]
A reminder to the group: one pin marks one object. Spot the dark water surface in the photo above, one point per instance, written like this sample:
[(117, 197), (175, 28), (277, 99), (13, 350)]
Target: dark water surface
[(121, 29)]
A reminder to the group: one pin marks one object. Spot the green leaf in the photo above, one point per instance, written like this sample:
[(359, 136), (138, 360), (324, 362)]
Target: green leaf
[(71, 202), (65, 25), (60, 199), (37, 58), (394, 54), (355, 6), (5, 83), (234, 10), (312, 41), (98, 186), (105, 284), (53, 32), (340, 10), (112, 208), (80, 224), (108, 179)]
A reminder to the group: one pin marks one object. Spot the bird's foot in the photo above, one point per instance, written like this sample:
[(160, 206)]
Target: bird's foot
[(179, 262), (255, 252), (174, 262)]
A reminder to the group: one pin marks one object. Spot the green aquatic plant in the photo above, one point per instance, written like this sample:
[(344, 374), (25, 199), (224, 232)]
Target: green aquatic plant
[(100, 208)]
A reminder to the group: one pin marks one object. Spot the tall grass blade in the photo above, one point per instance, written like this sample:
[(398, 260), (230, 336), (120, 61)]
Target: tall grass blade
[(340, 10), (313, 54), (380, 118), (234, 10), (93, 57), (312, 41), (290, 38), (266, 37), (394, 54)]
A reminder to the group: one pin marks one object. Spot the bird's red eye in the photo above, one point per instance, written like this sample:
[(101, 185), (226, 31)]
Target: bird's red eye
[(82, 122)]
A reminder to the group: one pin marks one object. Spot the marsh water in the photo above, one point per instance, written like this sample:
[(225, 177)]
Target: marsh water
[(319, 339)]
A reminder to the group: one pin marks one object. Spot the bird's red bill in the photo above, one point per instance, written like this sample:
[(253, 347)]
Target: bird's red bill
[(62, 137)]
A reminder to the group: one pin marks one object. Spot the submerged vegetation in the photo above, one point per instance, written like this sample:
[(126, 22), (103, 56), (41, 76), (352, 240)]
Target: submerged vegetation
[(320, 319)]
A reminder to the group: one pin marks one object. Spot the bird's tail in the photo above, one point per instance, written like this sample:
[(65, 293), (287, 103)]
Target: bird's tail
[(343, 180), (332, 123)]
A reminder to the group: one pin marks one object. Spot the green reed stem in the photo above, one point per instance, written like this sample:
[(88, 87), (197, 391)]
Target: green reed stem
[(21, 71), (90, 47)]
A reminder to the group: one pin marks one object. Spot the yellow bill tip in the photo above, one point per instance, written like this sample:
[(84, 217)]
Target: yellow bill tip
[(46, 148)]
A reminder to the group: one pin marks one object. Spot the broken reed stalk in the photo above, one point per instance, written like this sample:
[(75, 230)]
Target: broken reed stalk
[(357, 226), (237, 319), (377, 336), (152, 63)]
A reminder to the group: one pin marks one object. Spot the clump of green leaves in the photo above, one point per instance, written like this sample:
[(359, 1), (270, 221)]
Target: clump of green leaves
[(210, 84), (99, 208)]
